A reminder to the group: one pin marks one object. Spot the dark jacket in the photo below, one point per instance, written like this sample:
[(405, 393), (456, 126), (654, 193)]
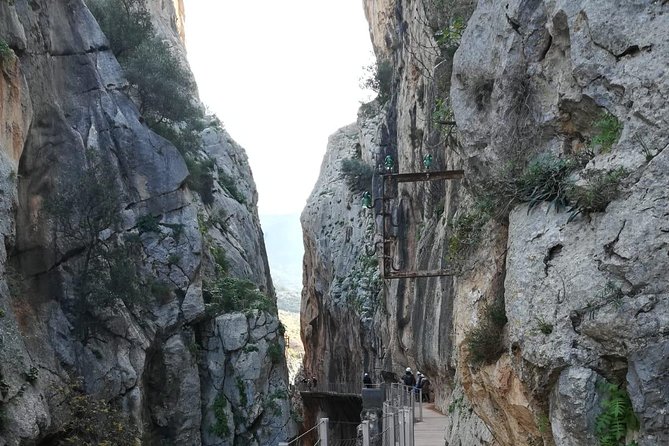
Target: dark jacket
[(409, 379)]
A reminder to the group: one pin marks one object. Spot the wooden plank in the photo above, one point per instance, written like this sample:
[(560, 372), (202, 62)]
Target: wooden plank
[(431, 431)]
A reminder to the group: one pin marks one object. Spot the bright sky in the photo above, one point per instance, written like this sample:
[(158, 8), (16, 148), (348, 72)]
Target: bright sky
[(282, 76)]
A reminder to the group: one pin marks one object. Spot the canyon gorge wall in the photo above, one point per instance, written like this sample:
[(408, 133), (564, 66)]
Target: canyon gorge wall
[(557, 111), (145, 354)]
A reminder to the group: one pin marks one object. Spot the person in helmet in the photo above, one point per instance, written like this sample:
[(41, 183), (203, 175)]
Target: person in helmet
[(366, 380), (408, 379)]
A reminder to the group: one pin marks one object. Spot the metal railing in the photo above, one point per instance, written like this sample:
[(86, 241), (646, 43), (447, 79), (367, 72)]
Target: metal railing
[(399, 416)]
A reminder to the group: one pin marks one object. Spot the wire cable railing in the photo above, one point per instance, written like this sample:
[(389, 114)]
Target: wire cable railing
[(294, 441)]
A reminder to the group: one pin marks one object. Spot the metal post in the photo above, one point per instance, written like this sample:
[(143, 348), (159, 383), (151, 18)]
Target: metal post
[(402, 422), (365, 433), (408, 424), (420, 402), (391, 430), (323, 432)]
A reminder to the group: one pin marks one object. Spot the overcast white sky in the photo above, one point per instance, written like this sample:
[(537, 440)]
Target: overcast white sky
[(282, 76)]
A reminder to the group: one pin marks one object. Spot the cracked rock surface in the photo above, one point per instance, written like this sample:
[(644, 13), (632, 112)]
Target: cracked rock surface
[(64, 102)]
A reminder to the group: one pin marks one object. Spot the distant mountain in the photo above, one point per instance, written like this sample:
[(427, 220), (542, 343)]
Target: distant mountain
[(285, 249)]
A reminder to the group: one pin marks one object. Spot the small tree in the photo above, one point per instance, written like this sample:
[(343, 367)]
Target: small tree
[(126, 23), (378, 77), (81, 210)]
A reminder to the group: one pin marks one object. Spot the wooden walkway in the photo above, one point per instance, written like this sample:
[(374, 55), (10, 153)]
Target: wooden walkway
[(430, 432)]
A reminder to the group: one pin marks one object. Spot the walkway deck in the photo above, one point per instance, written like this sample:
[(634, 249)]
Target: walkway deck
[(430, 432)]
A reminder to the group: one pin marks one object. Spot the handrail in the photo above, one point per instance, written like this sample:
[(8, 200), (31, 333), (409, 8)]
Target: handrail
[(305, 433)]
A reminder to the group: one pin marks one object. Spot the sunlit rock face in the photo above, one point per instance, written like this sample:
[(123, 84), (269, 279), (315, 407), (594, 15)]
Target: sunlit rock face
[(162, 362), (586, 296)]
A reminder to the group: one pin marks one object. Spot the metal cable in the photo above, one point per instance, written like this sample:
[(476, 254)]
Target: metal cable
[(295, 439)]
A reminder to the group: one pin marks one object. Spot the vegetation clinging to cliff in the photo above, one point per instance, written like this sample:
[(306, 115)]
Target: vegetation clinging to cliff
[(163, 87), (229, 294), (617, 416), (378, 77), (6, 53), (357, 174), (484, 340)]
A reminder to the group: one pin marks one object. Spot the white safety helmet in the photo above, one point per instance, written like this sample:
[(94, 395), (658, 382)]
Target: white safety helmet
[(408, 369)]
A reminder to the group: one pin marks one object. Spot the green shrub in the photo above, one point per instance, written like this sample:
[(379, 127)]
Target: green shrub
[(545, 179), (201, 177), (249, 348), (378, 77), (544, 327), (6, 53), (126, 23), (160, 290), (220, 259), (148, 223), (164, 88), (449, 37), (220, 427), (543, 423), (442, 114), (600, 189), (357, 174), (483, 341), (275, 352), (229, 294), (32, 375), (466, 229), (80, 210), (608, 131), (241, 388), (95, 422), (227, 183), (617, 416)]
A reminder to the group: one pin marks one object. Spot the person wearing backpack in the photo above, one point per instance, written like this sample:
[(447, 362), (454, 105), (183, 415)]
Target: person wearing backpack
[(408, 379)]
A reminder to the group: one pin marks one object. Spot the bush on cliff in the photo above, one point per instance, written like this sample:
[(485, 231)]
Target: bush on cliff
[(162, 86), (378, 77), (484, 340), (230, 294), (357, 174)]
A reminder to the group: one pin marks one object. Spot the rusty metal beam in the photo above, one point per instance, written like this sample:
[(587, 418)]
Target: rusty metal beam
[(425, 176), (414, 274), (389, 180)]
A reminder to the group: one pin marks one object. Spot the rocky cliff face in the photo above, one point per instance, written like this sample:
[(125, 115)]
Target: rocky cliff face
[(529, 85), (143, 344)]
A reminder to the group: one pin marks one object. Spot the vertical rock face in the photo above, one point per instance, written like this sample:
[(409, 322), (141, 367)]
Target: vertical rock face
[(585, 294), (162, 361), (342, 284)]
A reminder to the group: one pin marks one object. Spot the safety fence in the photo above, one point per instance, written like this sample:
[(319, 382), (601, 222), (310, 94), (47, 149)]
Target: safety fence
[(401, 409)]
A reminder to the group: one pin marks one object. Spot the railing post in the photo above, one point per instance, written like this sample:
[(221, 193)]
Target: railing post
[(391, 430), (323, 432), (365, 433), (402, 425), (408, 427), (420, 402)]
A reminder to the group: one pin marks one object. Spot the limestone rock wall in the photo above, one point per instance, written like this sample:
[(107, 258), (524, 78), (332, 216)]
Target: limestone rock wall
[(161, 362), (584, 297), (342, 284)]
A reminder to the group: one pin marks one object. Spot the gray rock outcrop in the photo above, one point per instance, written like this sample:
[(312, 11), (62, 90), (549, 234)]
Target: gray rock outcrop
[(66, 113), (585, 293)]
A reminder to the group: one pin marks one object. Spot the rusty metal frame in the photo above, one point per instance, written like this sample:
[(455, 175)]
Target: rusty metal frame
[(389, 183)]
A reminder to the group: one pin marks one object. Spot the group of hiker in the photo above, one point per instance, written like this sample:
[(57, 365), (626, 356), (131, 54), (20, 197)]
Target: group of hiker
[(416, 383)]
